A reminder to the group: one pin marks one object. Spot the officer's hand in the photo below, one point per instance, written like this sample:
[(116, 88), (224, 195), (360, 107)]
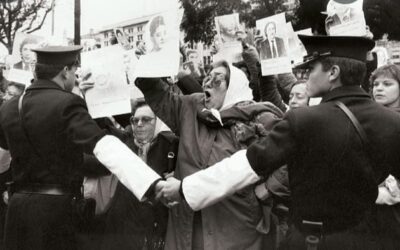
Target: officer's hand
[(85, 86), (170, 191)]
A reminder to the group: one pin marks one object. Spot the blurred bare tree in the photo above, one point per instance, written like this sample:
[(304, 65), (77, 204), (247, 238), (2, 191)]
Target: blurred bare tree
[(22, 16)]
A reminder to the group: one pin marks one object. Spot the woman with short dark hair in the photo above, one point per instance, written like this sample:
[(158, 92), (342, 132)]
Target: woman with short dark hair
[(385, 83)]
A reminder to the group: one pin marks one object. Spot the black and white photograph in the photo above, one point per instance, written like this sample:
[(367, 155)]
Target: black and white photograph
[(272, 45), (199, 125)]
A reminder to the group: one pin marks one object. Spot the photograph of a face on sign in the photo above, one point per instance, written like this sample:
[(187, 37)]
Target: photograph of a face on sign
[(273, 47), (228, 29), (345, 18), (121, 38), (110, 95), (162, 46), (23, 58)]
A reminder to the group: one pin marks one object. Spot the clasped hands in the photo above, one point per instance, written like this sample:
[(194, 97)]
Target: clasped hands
[(167, 191)]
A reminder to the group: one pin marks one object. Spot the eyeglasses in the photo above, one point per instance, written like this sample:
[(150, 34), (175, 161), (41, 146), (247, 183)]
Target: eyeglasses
[(215, 80), (143, 119)]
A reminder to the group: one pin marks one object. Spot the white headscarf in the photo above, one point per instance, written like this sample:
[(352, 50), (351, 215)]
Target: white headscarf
[(238, 89)]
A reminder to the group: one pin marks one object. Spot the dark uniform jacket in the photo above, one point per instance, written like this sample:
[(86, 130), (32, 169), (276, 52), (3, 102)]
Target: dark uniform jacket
[(61, 130), (332, 178)]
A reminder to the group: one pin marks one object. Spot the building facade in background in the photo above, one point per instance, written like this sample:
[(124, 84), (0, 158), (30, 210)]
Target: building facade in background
[(134, 30)]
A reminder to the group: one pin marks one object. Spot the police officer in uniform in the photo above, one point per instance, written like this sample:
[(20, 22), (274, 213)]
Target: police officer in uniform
[(47, 132), (334, 170)]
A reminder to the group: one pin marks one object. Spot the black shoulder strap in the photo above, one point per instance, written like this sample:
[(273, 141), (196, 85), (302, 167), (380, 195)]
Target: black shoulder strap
[(355, 123), (22, 120)]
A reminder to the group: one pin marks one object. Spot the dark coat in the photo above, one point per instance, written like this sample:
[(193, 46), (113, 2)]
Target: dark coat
[(265, 48), (332, 178), (131, 224), (61, 130), (202, 145), (388, 219)]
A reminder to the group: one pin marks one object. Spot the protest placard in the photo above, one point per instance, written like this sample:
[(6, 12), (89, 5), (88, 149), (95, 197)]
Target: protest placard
[(20, 76), (345, 18), (111, 94), (22, 56), (121, 38), (228, 29), (297, 51), (162, 46), (272, 46)]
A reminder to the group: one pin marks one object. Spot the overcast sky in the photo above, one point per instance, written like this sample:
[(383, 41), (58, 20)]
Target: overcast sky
[(98, 13)]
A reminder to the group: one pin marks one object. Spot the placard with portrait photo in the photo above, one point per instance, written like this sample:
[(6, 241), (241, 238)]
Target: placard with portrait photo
[(272, 46), (345, 18), (228, 29), (297, 51), (110, 94), (22, 57), (162, 46), (121, 38)]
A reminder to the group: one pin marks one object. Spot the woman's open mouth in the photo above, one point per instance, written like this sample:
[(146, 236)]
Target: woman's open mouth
[(208, 95)]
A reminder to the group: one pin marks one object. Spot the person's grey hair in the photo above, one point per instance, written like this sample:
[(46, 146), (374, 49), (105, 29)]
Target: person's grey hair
[(270, 22)]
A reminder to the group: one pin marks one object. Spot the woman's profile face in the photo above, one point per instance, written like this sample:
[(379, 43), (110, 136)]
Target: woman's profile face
[(159, 37)]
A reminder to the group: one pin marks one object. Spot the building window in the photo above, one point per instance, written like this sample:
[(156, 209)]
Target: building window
[(106, 35), (207, 60), (130, 39), (139, 28), (140, 37), (130, 30), (105, 43)]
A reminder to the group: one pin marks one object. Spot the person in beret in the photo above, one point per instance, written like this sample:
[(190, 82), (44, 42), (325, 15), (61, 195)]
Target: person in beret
[(47, 131), (333, 176)]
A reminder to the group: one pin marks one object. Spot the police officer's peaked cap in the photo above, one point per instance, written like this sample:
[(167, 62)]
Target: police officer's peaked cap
[(352, 47), (59, 55)]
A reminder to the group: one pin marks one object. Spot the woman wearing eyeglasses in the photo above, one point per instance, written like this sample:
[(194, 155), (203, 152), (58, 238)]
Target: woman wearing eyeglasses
[(130, 224), (211, 125)]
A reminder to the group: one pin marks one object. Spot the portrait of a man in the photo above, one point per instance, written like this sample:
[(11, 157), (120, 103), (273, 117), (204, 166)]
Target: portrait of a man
[(28, 57), (272, 46)]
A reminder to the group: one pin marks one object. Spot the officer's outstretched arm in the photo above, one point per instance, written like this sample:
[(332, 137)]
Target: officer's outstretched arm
[(210, 185), (127, 166)]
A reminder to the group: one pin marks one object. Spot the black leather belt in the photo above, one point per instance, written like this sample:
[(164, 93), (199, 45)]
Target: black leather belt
[(47, 189)]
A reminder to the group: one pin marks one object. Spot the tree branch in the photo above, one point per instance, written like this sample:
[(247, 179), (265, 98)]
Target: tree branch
[(41, 23)]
